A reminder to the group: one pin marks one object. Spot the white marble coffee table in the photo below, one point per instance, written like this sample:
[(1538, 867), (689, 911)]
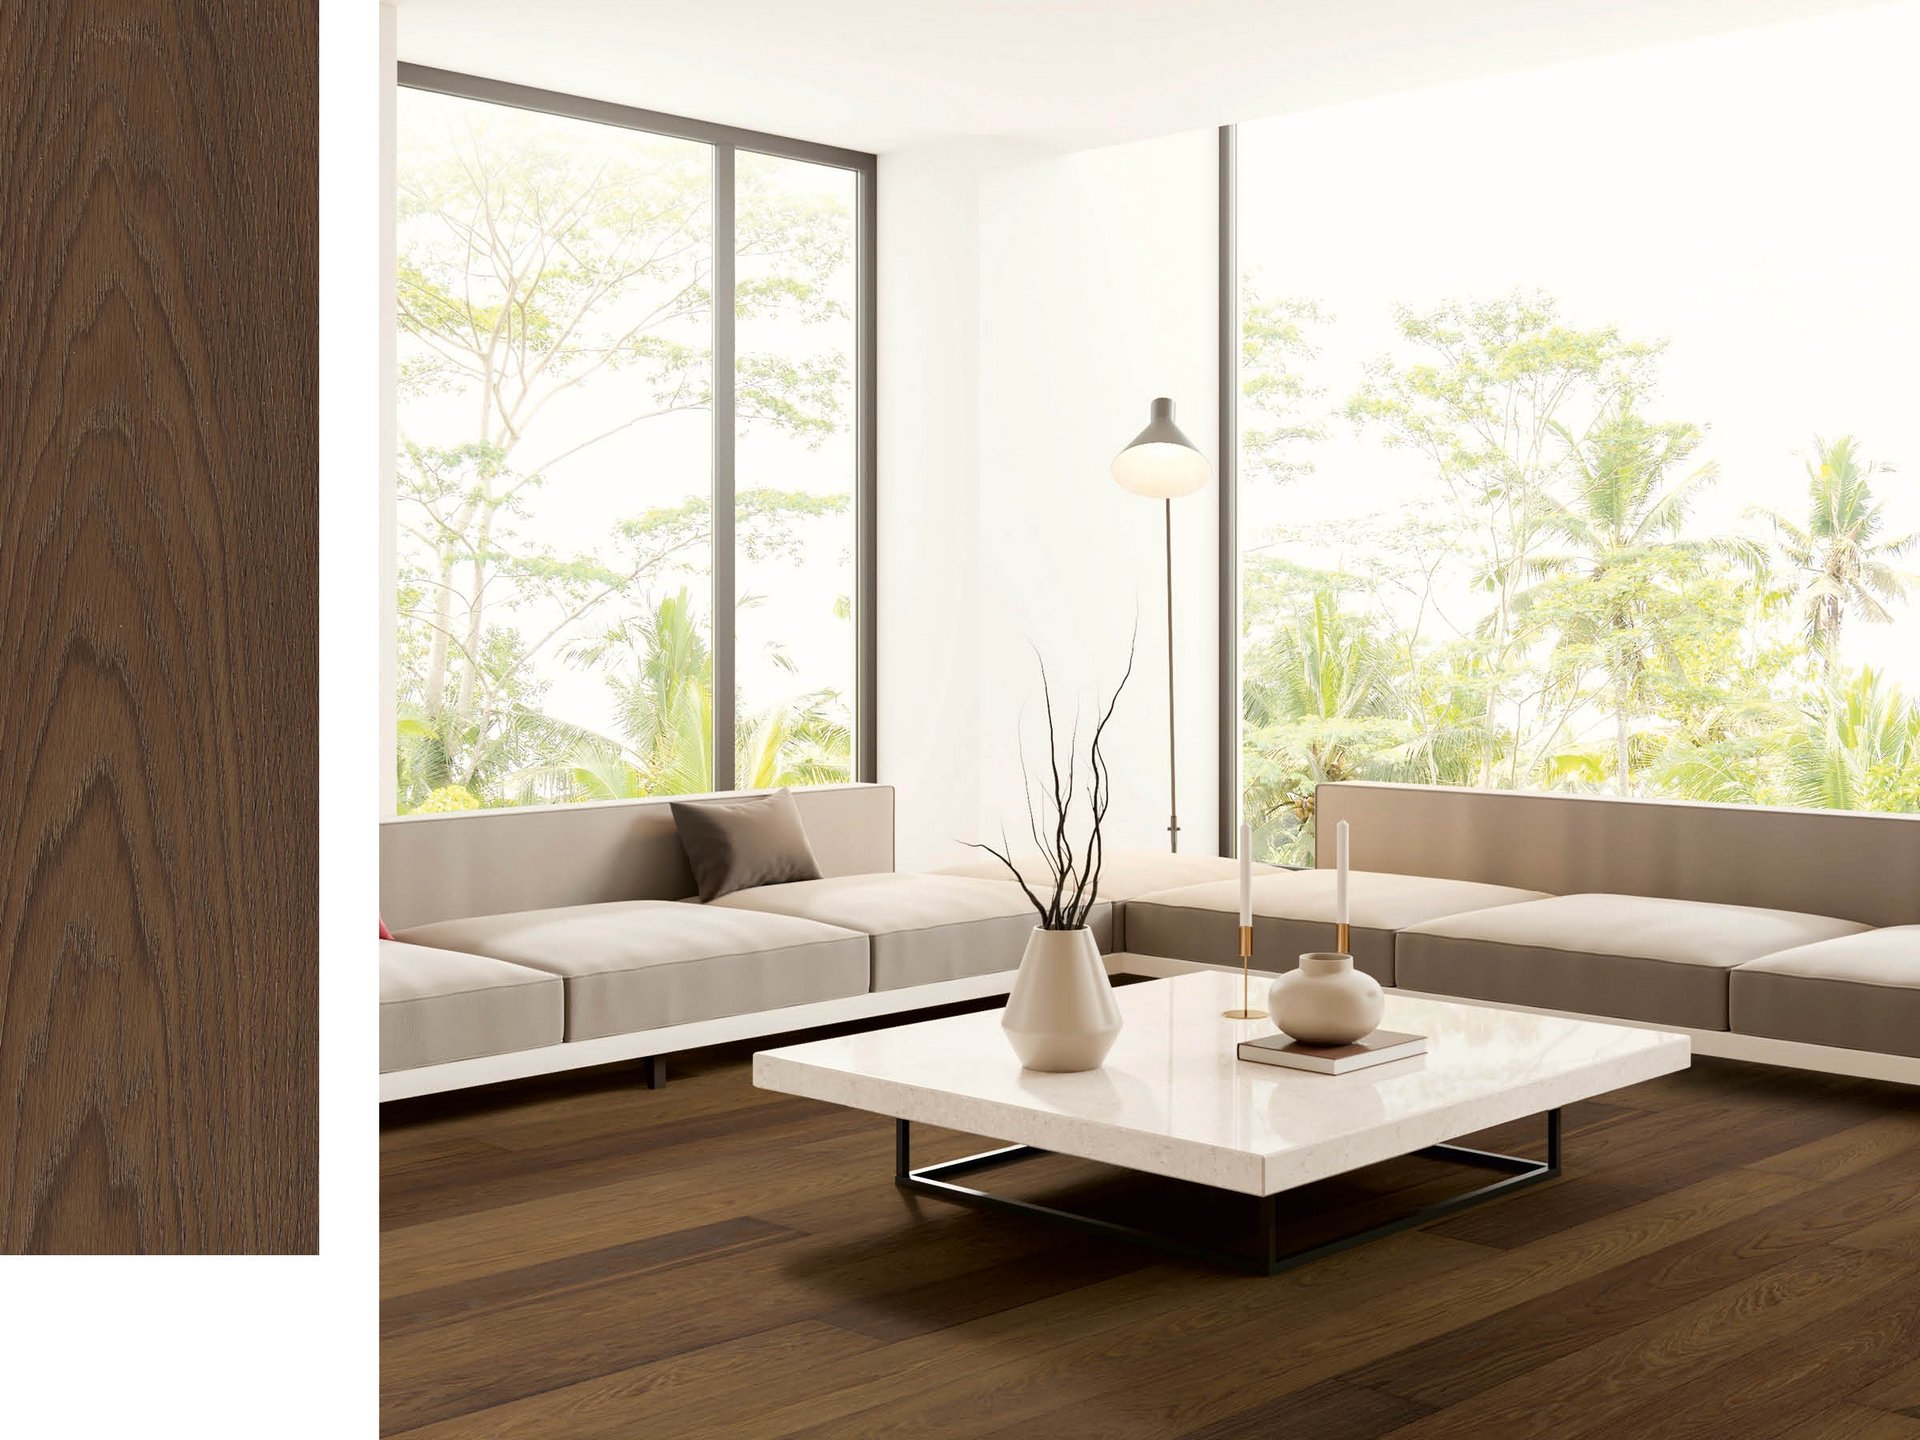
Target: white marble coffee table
[(1173, 1100)]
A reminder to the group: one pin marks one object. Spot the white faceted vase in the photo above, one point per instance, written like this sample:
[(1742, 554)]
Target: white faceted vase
[(1326, 1001), (1061, 1014)]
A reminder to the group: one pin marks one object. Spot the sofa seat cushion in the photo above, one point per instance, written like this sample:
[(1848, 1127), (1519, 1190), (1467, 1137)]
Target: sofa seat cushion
[(921, 928), (1637, 957), (441, 1005), (1293, 912), (642, 964), (1860, 992), (1123, 875)]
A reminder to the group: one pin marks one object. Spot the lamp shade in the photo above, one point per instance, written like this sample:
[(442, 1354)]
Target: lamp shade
[(1160, 461)]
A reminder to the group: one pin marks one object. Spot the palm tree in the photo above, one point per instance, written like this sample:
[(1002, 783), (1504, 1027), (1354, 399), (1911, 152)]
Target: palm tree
[(1617, 557), (804, 741), (1842, 563), (1318, 705), (664, 710), (1859, 749)]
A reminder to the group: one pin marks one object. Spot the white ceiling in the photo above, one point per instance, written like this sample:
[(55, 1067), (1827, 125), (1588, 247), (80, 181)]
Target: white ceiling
[(886, 74)]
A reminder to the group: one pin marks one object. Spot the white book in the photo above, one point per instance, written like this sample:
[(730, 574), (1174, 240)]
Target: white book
[(1379, 1048)]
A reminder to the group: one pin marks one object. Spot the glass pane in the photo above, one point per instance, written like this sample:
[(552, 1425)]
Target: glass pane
[(555, 458), (1579, 455), (794, 487)]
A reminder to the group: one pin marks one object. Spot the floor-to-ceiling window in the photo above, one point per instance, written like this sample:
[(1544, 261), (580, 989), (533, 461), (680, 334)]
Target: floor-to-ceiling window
[(1579, 447), (634, 453)]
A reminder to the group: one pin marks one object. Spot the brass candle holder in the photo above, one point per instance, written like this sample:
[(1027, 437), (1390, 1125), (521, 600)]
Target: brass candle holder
[(1246, 1010), (1343, 938)]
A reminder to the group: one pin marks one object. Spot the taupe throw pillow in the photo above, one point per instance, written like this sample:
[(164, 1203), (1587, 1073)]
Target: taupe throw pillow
[(737, 844)]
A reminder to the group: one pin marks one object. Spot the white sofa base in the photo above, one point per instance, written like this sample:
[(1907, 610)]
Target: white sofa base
[(638, 1044), (1719, 1044), (578, 1054)]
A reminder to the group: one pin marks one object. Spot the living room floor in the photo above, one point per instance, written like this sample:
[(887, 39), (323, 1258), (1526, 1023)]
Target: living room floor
[(1734, 1250)]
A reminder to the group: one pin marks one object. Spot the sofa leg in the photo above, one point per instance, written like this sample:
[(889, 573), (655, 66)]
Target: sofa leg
[(653, 1070)]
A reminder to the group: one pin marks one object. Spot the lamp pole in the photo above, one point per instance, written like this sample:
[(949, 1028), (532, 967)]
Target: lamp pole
[(1163, 463), (1173, 763)]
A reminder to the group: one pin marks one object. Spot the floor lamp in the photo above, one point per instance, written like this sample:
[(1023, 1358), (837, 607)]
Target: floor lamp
[(1164, 464)]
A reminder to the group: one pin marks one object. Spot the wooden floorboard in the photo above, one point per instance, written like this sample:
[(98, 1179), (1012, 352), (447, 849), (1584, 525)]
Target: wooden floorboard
[(159, 606), (1731, 1251)]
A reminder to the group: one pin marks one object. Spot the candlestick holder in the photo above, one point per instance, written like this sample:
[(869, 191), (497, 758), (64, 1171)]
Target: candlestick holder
[(1343, 938), (1246, 1010)]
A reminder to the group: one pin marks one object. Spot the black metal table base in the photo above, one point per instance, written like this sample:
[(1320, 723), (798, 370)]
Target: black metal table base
[(1265, 1256)]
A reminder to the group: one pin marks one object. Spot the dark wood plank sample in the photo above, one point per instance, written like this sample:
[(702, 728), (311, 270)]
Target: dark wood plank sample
[(1733, 1250), (158, 626)]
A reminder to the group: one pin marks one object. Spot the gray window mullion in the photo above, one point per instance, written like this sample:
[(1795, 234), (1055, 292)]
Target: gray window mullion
[(725, 602)]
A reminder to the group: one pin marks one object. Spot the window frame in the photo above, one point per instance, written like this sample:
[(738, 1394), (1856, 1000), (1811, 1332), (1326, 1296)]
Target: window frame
[(726, 141), (1227, 601)]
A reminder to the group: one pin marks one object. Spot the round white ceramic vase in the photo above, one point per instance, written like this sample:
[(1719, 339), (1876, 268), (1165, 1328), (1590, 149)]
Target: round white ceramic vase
[(1326, 1001), (1061, 1014)]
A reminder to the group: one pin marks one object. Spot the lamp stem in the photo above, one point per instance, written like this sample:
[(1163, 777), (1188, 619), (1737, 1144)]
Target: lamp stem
[(1173, 770)]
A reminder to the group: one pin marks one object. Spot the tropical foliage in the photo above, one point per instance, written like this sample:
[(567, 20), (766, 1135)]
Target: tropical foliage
[(539, 276), (1551, 613)]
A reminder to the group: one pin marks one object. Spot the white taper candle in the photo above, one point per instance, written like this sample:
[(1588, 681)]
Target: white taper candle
[(1340, 876), (1246, 875)]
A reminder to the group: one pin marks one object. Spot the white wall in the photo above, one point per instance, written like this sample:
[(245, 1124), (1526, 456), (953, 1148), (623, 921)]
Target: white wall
[(1004, 394), (928, 573)]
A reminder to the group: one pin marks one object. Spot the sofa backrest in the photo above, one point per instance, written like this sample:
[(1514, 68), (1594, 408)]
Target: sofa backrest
[(487, 862), (1846, 864)]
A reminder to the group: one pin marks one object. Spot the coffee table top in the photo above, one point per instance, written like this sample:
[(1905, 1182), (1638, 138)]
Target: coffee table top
[(1173, 1100)]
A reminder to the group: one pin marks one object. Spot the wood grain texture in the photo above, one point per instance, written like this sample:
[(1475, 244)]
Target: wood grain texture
[(158, 626), (1726, 1255)]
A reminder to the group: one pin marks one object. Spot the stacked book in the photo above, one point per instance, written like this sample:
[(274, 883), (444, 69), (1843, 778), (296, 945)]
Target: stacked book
[(1379, 1048)]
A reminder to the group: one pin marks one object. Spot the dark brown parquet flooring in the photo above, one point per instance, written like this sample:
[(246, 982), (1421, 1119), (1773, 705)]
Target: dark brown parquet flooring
[(159, 604), (1733, 1251)]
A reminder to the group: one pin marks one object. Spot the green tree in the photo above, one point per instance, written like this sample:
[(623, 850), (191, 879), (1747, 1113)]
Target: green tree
[(1318, 704), (1857, 748), (1479, 398), (1279, 421), (660, 669), (1620, 580), (1841, 564), (531, 266)]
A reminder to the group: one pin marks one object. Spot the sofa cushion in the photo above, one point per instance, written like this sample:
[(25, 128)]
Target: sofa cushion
[(1860, 992), (641, 964), (1293, 912), (735, 844), (1635, 956), (441, 1005), (922, 928), (1123, 875)]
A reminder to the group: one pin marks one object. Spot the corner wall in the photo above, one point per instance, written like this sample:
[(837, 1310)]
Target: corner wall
[(1030, 307)]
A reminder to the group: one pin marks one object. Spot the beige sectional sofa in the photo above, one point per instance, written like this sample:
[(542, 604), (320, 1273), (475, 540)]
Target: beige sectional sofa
[(640, 964), (1785, 936), (545, 939), (1293, 911), (1639, 957), (439, 1006), (920, 929)]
